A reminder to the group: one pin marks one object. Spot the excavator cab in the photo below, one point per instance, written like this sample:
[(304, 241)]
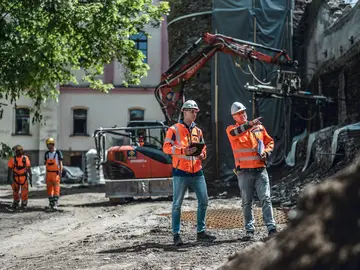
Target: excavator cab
[(132, 160)]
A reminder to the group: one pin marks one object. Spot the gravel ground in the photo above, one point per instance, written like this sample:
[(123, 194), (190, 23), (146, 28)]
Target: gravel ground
[(89, 233)]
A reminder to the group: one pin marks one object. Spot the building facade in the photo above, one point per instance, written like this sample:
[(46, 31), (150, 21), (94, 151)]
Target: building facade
[(81, 110)]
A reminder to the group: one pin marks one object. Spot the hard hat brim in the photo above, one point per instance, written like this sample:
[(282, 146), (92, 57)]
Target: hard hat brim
[(184, 109), (238, 111)]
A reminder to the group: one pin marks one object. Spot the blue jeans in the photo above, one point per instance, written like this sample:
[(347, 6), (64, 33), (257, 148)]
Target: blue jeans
[(248, 183), (180, 185)]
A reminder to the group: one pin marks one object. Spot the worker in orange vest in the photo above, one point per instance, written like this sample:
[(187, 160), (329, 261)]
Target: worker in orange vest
[(187, 169), (19, 167), (251, 146), (54, 168), (141, 137)]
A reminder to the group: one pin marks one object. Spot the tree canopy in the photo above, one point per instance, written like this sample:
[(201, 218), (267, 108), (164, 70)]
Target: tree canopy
[(42, 40)]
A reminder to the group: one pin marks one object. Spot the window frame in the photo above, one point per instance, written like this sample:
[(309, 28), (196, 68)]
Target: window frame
[(141, 38), (136, 109), (74, 110), (16, 132)]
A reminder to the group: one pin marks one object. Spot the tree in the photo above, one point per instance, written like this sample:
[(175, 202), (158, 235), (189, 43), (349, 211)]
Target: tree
[(42, 40), (323, 232)]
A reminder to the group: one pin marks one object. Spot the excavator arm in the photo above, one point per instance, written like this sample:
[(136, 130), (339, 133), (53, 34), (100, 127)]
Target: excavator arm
[(170, 91)]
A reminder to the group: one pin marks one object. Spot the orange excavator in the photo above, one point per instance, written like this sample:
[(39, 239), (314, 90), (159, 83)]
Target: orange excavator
[(132, 160)]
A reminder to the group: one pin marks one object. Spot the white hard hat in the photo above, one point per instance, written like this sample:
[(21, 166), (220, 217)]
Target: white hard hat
[(237, 107), (190, 104)]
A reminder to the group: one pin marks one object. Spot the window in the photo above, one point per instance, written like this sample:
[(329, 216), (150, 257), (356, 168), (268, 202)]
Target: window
[(22, 121), (80, 121), (140, 40), (136, 114)]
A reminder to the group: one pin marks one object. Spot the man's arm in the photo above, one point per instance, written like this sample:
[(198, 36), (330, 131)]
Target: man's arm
[(45, 157), (268, 142), (9, 176), (170, 146), (10, 168), (61, 158), (28, 167), (238, 130), (203, 152)]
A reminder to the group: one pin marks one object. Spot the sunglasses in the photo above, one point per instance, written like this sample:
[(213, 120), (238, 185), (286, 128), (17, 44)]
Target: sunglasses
[(191, 111)]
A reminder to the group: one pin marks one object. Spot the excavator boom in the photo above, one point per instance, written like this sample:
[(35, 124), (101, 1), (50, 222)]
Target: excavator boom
[(170, 91)]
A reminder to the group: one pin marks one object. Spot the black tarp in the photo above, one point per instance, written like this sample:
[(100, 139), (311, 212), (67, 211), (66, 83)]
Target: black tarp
[(236, 19)]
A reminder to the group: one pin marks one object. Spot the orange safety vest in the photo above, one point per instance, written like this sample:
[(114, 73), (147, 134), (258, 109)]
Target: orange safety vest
[(20, 170), (141, 141), (246, 146), (51, 163), (178, 137)]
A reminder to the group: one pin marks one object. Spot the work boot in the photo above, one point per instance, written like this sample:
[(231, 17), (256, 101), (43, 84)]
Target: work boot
[(205, 237), (15, 205), (177, 240), (24, 205), (249, 236), (272, 233)]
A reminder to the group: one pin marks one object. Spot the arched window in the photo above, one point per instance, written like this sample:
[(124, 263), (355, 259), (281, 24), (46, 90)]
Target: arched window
[(79, 121), (22, 121), (136, 114), (141, 44)]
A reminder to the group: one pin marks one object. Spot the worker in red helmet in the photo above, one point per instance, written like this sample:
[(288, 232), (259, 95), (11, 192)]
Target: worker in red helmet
[(19, 167), (251, 145)]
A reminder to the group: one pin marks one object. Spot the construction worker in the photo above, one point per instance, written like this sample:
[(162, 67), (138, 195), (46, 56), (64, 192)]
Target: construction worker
[(141, 137), (251, 146), (19, 167), (187, 169), (54, 168)]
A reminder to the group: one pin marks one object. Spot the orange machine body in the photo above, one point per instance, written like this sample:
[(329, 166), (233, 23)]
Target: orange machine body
[(136, 162)]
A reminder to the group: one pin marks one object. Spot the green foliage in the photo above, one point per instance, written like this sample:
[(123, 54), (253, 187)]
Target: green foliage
[(42, 40), (5, 151)]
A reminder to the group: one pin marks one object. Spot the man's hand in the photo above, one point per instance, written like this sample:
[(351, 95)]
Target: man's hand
[(201, 156), (255, 122), (190, 150), (264, 155)]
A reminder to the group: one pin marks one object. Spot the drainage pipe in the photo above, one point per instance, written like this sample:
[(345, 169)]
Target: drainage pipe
[(334, 144), (290, 159)]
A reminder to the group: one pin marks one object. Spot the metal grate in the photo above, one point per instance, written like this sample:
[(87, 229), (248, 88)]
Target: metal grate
[(230, 218)]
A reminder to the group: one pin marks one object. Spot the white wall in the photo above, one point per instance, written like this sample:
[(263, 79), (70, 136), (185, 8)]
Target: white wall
[(104, 110), (7, 126)]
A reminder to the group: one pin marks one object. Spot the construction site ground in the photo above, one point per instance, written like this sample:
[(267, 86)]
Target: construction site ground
[(89, 233)]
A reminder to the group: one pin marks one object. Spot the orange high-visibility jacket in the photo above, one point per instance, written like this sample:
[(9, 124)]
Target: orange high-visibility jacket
[(247, 143), (178, 137)]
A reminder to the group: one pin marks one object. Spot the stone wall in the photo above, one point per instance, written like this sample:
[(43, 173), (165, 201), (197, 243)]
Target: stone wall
[(181, 35)]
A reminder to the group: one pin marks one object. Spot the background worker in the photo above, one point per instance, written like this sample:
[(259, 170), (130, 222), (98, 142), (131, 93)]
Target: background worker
[(187, 170), (19, 167), (251, 146), (54, 168)]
